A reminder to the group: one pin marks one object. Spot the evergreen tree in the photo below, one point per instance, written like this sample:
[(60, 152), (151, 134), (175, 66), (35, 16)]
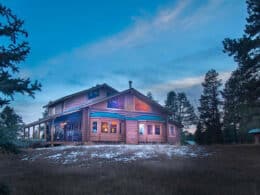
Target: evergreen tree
[(181, 109), (11, 126), (209, 108), (13, 50), (232, 94), (199, 134), (246, 52)]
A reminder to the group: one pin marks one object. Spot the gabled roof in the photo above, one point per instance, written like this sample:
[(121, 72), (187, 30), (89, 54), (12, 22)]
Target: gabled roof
[(51, 103)]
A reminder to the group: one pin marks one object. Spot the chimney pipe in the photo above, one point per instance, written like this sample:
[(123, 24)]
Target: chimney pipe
[(130, 84)]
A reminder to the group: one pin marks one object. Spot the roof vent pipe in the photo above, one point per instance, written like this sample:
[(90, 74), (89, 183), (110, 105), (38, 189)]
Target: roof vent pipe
[(130, 84)]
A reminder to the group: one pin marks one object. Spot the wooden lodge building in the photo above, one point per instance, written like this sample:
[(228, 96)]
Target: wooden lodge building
[(103, 114)]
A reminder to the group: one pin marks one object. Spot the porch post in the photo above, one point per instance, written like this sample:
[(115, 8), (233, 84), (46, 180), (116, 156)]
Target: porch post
[(24, 133), (52, 131), (45, 131), (33, 132), (84, 123), (39, 131)]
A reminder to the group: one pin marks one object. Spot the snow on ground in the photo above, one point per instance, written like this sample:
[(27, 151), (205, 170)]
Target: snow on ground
[(118, 153)]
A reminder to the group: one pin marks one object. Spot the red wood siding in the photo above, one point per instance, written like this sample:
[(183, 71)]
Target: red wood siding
[(175, 138)]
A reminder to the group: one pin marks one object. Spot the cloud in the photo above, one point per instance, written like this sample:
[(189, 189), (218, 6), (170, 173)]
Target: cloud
[(190, 85)]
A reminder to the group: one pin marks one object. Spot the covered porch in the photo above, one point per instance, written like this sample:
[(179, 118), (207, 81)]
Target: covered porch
[(61, 129)]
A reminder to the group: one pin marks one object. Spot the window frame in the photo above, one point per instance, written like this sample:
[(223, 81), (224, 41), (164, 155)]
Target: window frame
[(102, 131), (115, 125), (155, 129), (93, 94), (150, 133), (143, 128), (92, 129)]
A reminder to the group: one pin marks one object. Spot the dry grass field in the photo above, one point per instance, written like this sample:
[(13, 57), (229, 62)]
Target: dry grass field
[(133, 170)]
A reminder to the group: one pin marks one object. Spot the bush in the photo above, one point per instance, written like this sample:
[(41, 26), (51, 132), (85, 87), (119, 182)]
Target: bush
[(4, 189), (9, 147)]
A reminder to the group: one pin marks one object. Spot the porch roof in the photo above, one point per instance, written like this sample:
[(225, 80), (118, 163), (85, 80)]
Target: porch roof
[(254, 131)]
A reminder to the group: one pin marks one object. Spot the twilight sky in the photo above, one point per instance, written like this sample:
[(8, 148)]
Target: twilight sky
[(161, 45)]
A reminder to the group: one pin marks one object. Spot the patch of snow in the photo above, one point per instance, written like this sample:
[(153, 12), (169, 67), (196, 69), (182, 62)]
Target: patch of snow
[(55, 156), (119, 153)]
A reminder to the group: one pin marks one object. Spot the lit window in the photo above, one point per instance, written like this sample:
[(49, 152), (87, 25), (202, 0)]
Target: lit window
[(113, 127), (172, 130), (141, 129), (93, 94), (94, 127), (157, 129), (104, 127), (149, 129), (141, 106)]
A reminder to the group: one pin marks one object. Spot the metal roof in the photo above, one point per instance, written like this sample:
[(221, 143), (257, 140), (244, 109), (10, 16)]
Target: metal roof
[(254, 131), (51, 103)]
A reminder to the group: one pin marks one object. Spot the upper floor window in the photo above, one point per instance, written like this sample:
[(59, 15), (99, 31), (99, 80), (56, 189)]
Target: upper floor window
[(141, 129), (92, 94), (116, 102), (157, 130), (141, 106), (94, 127), (149, 129)]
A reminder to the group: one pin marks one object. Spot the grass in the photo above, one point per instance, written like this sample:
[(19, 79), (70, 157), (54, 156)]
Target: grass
[(230, 170)]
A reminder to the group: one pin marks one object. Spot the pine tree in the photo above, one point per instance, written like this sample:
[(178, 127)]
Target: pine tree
[(246, 52), (209, 108), (232, 94), (199, 134), (13, 50), (10, 127), (181, 109)]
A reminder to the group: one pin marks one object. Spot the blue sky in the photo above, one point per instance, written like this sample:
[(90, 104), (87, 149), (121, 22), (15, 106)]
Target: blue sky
[(160, 45)]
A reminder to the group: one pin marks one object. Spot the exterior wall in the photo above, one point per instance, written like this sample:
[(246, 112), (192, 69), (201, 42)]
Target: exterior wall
[(76, 102), (146, 138), (173, 138), (131, 132)]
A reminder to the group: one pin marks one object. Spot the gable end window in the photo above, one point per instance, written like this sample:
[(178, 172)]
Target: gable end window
[(93, 94)]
